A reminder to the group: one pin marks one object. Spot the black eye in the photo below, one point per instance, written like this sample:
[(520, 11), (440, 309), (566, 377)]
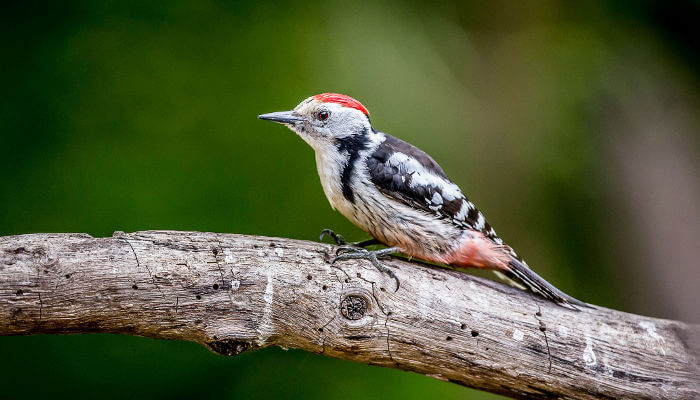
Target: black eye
[(323, 115)]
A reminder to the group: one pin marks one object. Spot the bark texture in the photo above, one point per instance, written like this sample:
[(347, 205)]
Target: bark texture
[(235, 293)]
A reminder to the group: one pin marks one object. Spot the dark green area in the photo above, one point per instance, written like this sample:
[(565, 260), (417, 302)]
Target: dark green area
[(131, 115)]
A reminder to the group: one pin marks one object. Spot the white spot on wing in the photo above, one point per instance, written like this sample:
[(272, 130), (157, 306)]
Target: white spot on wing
[(422, 177), (462, 214), (480, 221)]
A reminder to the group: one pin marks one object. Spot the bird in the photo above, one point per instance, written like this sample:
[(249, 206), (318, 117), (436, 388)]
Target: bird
[(401, 197)]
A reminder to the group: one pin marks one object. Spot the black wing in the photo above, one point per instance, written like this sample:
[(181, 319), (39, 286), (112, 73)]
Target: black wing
[(405, 173)]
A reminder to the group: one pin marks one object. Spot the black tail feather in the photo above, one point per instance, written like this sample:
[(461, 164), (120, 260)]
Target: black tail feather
[(522, 273)]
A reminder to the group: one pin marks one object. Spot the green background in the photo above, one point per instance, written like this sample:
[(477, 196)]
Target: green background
[(132, 115)]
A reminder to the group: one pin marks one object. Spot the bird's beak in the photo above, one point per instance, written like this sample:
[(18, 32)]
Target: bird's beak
[(283, 117)]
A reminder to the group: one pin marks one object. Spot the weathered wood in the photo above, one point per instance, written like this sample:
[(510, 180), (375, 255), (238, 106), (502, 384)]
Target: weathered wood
[(234, 293)]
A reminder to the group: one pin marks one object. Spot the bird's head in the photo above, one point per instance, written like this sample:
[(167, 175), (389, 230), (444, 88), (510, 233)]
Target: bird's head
[(324, 119)]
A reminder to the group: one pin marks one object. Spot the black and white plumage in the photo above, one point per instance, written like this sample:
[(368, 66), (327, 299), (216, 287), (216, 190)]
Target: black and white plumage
[(399, 195), (403, 172)]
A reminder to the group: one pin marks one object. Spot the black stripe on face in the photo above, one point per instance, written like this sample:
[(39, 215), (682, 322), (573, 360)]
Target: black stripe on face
[(352, 145)]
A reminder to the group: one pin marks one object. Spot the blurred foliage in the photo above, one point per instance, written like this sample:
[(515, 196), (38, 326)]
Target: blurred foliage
[(131, 115)]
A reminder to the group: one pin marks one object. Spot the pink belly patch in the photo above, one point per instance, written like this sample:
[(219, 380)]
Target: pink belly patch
[(475, 250)]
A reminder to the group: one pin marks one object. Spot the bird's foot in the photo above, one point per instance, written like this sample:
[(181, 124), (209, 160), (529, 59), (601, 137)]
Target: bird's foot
[(354, 253), (340, 240)]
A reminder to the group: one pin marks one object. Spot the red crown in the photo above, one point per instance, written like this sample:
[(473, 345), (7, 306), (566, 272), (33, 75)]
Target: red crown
[(343, 100)]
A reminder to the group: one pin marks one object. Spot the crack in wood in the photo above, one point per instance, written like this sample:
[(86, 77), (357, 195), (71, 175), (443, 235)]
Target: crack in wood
[(322, 331), (543, 329), (138, 265), (41, 307), (219, 250), (381, 308)]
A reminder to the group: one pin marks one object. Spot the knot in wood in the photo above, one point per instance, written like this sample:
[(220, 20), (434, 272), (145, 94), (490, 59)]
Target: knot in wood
[(353, 307), (229, 347)]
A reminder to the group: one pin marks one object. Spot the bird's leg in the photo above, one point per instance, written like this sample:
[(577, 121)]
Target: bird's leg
[(354, 253), (337, 238), (365, 243), (340, 240)]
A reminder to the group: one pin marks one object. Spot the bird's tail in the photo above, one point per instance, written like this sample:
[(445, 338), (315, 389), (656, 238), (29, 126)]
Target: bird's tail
[(520, 272)]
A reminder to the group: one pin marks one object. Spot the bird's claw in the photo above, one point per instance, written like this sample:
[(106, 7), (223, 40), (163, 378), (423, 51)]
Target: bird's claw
[(355, 250), (354, 253), (340, 240), (337, 238)]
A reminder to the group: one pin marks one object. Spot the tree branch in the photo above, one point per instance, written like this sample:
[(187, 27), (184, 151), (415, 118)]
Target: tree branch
[(234, 293)]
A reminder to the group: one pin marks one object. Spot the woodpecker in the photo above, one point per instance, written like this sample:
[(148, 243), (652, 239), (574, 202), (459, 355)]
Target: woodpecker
[(400, 196)]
